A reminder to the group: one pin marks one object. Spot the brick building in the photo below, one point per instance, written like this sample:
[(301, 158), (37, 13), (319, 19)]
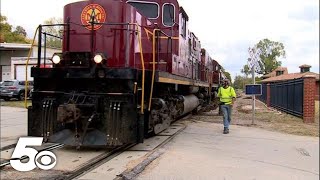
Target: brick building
[(294, 93), (281, 74)]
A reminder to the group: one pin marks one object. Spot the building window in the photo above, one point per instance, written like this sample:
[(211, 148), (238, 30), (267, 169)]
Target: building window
[(148, 9), (303, 70), (168, 15), (278, 73)]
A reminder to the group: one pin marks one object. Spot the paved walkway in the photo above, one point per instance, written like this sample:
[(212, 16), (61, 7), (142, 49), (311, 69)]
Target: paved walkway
[(201, 151), (13, 124)]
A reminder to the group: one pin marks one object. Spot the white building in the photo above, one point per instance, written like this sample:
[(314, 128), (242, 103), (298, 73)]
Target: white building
[(13, 60)]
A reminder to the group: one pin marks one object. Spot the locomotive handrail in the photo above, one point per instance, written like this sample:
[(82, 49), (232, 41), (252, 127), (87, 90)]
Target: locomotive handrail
[(102, 24), (51, 35), (27, 63), (143, 68), (28, 59), (154, 61), (49, 25)]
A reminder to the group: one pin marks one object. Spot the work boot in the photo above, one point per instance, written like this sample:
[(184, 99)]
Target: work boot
[(225, 131)]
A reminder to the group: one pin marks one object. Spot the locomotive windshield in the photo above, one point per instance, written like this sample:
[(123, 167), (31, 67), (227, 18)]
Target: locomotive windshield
[(150, 10)]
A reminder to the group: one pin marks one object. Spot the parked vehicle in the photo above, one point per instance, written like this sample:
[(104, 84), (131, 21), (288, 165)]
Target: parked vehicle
[(30, 93), (14, 89)]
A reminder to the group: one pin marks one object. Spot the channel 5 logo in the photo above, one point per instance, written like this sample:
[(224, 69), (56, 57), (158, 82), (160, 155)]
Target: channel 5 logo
[(44, 159)]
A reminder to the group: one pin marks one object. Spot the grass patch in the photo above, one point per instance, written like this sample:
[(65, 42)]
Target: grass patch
[(288, 124), (15, 103), (274, 120)]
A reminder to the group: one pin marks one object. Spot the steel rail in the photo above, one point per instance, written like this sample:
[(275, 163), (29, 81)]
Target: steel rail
[(149, 158), (8, 147), (93, 163), (52, 147)]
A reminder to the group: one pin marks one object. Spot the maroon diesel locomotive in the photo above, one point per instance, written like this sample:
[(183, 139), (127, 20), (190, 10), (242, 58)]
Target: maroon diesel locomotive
[(127, 70)]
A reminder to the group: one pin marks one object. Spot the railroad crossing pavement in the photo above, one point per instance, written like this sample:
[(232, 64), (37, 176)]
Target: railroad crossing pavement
[(13, 124), (201, 151)]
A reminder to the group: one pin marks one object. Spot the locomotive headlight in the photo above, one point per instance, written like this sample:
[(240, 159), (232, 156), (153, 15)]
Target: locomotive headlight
[(98, 58), (56, 59)]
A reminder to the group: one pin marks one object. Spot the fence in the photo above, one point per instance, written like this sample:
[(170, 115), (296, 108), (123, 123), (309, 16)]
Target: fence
[(288, 96), (263, 96), (296, 97)]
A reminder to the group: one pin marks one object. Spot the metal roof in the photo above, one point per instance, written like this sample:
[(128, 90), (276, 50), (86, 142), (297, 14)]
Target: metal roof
[(14, 46), (19, 46), (290, 76)]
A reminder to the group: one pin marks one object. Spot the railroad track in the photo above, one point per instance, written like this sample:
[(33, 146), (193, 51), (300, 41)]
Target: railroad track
[(83, 168), (77, 170), (8, 147), (93, 163), (7, 161)]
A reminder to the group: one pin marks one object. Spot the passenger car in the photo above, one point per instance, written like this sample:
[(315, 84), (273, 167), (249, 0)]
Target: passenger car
[(14, 89)]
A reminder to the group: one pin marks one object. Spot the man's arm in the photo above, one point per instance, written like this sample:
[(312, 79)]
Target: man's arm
[(233, 94)]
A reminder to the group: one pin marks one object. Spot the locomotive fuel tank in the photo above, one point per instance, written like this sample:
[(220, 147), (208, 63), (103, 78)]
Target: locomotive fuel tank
[(190, 103), (167, 110)]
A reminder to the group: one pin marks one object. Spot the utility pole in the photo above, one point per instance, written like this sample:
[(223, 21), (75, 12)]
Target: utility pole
[(254, 96), (253, 63)]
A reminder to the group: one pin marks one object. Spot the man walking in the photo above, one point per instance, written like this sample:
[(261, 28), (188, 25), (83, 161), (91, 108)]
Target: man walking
[(227, 97)]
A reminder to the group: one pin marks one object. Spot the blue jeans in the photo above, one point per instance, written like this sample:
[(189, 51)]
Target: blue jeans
[(226, 111)]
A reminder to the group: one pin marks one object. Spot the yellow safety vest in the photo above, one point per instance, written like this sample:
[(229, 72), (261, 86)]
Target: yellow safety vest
[(226, 95)]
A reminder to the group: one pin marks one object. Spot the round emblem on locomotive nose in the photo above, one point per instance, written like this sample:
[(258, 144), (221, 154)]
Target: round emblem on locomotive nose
[(93, 13)]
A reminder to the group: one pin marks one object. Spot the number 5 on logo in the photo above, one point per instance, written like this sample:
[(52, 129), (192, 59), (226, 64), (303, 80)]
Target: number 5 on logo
[(22, 150)]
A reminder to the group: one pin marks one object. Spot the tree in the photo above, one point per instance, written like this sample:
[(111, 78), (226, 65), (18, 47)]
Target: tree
[(55, 31), (227, 74), (268, 54), (7, 35), (240, 82), (20, 30), (5, 26), (246, 70)]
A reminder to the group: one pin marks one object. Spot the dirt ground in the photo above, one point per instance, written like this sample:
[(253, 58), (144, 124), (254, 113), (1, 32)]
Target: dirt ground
[(265, 117)]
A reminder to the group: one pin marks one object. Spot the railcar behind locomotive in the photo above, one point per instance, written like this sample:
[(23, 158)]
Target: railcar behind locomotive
[(127, 70)]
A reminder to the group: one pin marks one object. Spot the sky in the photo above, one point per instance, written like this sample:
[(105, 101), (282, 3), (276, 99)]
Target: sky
[(226, 28)]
